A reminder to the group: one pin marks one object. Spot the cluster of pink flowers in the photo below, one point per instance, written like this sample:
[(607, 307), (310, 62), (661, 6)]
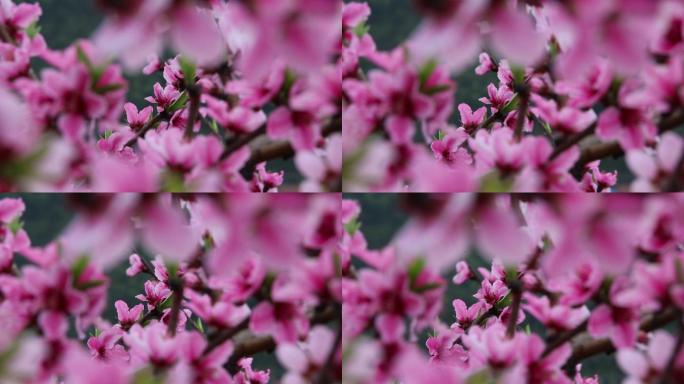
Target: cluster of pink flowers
[(571, 83), (232, 276), (251, 82), (566, 277)]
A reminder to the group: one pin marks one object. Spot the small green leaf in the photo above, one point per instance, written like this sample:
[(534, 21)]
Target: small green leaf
[(86, 285), (172, 268), (436, 89), (482, 377), (352, 226), (147, 376), (198, 324), (189, 70), (214, 126), (104, 89), (15, 225), (493, 182), (361, 29), (518, 74), (503, 303), (426, 287), (510, 106), (179, 103), (83, 58), (33, 30), (415, 268), (426, 70), (173, 182), (79, 266), (439, 135)]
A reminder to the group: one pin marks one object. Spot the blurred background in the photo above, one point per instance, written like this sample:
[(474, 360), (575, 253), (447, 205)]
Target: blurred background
[(382, 215)]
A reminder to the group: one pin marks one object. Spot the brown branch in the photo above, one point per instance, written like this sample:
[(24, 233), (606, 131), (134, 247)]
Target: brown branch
[(222, 336), (242, 140), (594, 347), (284, 149), (255, 344), (176, 285), (194, 93), (601, 150), (572, 140), (521, 116), (564, 337)]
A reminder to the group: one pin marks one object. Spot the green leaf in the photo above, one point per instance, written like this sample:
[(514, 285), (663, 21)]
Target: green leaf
[(436, 89), (547, 127), (172, 268), (352, 226), (426, 287), (179, 103), (482, 377), (361, 29), (79, 266), (101, 90), (439, 135), (15, 225), (189, 70), (83, 58), (426, 70), (173, 182), (510, 106), (518, 74), (166, 304), (147, 376), (415, 268), (198, 324), (503, 303), (214, 126), (107, 134), (493, 182), (33, 30), (84, 286)]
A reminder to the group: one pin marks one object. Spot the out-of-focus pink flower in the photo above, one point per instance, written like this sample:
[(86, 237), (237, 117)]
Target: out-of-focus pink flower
[(221, 313), (308, 356), (155, 294), (651, 168), (463, 273), (127, 317), (11, 209)]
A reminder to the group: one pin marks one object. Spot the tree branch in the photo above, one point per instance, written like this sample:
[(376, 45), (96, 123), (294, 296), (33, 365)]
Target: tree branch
[(572, 140), (176, 286), (594, 347), (284, 149), (194, 93), (601, 150)]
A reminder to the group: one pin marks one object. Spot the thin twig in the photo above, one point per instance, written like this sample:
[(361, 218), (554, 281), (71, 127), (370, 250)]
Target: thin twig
[(149, 125)]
